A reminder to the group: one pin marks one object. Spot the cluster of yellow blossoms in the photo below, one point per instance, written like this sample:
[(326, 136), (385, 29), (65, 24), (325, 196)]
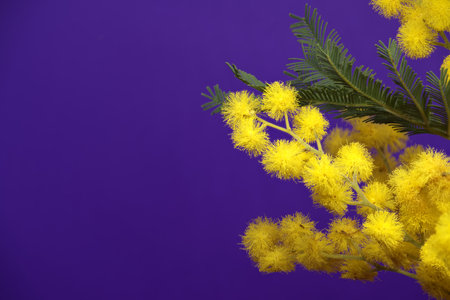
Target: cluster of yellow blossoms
[(403, 208), (422, 22)]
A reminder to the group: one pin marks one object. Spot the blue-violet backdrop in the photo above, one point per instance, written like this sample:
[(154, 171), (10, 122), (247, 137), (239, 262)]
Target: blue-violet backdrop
[(115, 185)]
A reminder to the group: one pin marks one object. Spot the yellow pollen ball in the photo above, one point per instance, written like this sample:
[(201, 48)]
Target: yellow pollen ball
[(327, 183), (240, 106), (354, 160), (384, 227), (358, 270), (294, 227), (251, 137), (279, 259), (378, 136), (446, 65), (436, 14), (414, 36), (435, 252), (335, 140), (279, 99), (310, 124), (345, 235), (285, 159), (378, 194), (388, 8), (260, 236)]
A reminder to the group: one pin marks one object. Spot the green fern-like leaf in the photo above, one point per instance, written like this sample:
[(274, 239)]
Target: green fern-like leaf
[(217, 97), (410, 84), (354, 91), (247, 78), (439, 94)]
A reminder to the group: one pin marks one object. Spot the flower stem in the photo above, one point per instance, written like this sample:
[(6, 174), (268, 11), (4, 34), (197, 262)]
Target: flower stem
[(400, 271), (288, 131), (288, 127), (343, 256), (385, 161), (319, 145), (411, 240), (364, 201), (377, 266)]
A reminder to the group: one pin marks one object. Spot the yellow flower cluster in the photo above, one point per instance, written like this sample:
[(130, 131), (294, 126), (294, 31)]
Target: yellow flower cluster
[(285, 159), (422, 21), (434, 269), (279, 99), (422, 190), (403, 204), (381, 140)]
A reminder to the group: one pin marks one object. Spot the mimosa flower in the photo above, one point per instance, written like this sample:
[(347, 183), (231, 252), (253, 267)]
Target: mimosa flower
[(238, 107), (310, 124), (279, 99)]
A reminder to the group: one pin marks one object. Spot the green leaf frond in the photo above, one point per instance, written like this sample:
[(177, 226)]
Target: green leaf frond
[(247, 78), (354, 91), (217, 97), (402, 74), (439, 94)]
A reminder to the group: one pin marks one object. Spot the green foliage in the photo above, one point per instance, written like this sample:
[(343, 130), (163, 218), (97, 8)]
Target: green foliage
[(439, 94), (217, 98), (338, 86), (327, 77), (247, 78)]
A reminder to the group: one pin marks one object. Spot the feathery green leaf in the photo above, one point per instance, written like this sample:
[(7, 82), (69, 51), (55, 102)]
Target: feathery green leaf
[(217, 97)]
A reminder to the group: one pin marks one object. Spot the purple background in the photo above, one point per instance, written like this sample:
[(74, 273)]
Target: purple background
[(115, 185)]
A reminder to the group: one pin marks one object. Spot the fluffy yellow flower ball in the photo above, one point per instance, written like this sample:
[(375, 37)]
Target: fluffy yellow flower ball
[(279, 99), (285, 159), (446, 65), (378, 194), (294, 227), (377, 136), (414, 36), (321, 173), (384, 227), (345, 235), (354, 160), (410, 154), (310, 124), (327, 184), (388, 8), (309, 252), (279, 259), (260, 237), (384, 163), (250, 136), (358, 270), (240, 106), (335, 140), (436, 14), (436, 250)]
